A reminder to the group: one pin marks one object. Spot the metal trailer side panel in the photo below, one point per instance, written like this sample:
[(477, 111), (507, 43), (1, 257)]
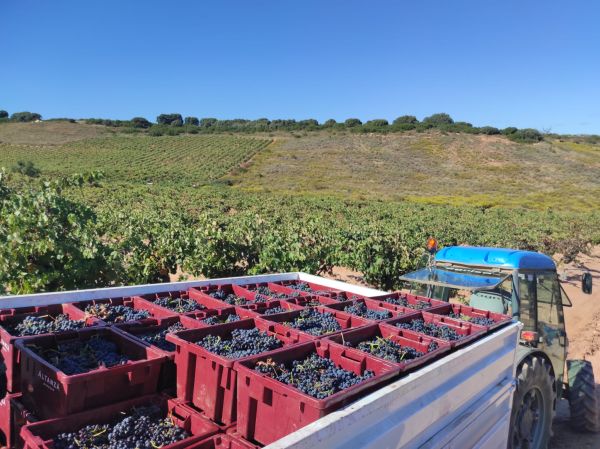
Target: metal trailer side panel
[(37, 299), (425, 407)]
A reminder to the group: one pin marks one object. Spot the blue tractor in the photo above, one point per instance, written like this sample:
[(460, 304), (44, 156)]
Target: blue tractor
[(523, 284)]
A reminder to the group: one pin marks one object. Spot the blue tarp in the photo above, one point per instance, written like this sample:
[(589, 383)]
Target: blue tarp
[(495, 257)]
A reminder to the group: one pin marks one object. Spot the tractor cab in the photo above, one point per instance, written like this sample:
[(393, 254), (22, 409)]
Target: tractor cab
[(523, 284)]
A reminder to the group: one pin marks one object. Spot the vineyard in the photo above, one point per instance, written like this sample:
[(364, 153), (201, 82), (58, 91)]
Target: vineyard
[(163, 209), (184, 159)]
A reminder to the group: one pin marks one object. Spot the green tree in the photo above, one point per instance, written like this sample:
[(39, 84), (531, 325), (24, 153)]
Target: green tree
[(3, 113), (409, 119), (169, 119), (527, 135), (329, 123), (140, 122), (25, 116), (193, 121), (352, 122), (208, 122), (438, 119)]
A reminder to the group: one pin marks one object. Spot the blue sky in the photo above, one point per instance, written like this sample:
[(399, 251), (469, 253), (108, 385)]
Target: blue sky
[(524, 63)]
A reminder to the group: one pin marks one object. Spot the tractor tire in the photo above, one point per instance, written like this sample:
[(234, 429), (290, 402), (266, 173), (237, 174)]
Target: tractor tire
[(534, 403), (583, 401)]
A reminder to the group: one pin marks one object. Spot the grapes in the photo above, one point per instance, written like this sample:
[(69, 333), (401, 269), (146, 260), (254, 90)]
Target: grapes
[(360, 309), (390, 350), (274, 310), (316, 376), (431, 329), (179, 305), (220, 319), (235, 300), (141, 428), (81, 356), (243, 343), (482, 321), (314, 322), (37, 325), (402, 301), (304, 287), (264, 293), (157, 337), (116, 314)]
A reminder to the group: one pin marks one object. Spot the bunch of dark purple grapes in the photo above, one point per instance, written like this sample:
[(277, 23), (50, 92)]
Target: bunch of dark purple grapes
[(179, 305), (387, 349), (45, 324), (482, 321), (431, 329), (116, 313), (158, 337), (243, 343), (141, 428), (403, 301), (360, 309), (314, 375), (230, 298), (314, 322), (220, 319)]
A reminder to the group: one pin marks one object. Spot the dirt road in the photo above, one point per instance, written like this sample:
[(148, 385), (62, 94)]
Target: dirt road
[(583, 329)]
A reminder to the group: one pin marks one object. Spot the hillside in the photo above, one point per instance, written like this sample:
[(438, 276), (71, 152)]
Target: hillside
[(432, 167)]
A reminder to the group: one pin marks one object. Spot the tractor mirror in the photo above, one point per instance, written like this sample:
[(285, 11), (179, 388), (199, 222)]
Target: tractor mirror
[(586, 283)]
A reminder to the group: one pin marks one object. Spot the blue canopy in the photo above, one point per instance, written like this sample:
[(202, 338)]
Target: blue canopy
[(454, 279), (495, 257)]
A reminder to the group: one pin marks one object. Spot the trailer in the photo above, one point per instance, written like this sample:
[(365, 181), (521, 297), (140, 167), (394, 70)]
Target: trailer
[(461, 400)]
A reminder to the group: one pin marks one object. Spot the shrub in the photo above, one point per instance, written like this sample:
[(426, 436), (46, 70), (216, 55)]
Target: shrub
[(329, 123), (527, 135), (25, 116), (489, 130), (438, 119), (192, 121), (208, 122), (27, 169), (169, 119), (400, 127), (140, 122), (406, 119), (352, 123), (3, 114), (509, 130)]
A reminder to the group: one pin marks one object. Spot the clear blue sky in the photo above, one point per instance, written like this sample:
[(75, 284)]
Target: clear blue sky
[(533, 63)]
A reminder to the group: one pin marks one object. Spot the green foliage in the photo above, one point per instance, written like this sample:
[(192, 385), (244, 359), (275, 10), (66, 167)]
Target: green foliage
[(329, 123), (489, 130), (26, 168), (438, 119), (25, 117), (510, 130), (352, 122), (170, 119), (140, 122), (3, 113), (192, 121), (527, 135), (406, 119), (49, 242)]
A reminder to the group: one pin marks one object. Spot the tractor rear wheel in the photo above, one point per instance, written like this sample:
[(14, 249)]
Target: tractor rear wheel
[(533, 405), (583, 401)]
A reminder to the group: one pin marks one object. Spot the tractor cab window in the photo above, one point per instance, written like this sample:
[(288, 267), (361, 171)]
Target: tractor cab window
[(549, 300)]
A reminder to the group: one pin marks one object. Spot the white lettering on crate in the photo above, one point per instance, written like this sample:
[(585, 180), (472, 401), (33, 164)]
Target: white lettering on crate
[(50, 383), (5, 346)]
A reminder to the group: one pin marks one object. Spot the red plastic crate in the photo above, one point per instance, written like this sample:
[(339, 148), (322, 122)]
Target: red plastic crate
[(40, 435), (407, 339), (466, 313), (467, 331), (262, 309), (372, 305), (49, 392), (204, 300), (276, 289), (345, 320), (208, 380), (157, 314), (317, 289), (413, 301), (13, 416), (269, 410), (10, 353), (248, 296), (196, 320), (223, 441)]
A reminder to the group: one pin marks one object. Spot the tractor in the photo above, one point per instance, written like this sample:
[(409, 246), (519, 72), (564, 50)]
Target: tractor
[(526, 285)]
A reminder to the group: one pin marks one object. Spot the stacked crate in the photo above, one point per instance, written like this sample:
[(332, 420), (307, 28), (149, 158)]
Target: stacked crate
[(223, 403)]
